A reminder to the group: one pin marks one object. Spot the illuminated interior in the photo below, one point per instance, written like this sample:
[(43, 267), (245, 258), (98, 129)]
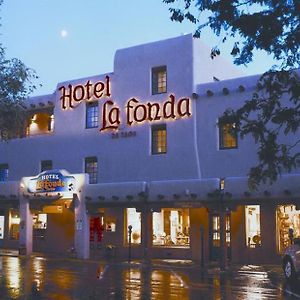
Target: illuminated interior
[(133, 219), (288, 220), (171, 227), (40, 123), (252, 217), (14, 221)]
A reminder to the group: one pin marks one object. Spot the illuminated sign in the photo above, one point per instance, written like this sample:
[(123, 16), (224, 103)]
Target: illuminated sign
[(136, 111), (88, 91), (51, 181)]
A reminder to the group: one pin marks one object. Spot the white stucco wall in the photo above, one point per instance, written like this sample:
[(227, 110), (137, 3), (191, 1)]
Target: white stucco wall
[(192, 143)]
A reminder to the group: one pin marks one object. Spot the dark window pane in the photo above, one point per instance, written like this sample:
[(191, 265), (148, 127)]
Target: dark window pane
[(92, 114), (3, 172), (91, 168), (46, 165)]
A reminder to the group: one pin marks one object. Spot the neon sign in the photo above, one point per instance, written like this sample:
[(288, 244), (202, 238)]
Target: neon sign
[(136, 111)]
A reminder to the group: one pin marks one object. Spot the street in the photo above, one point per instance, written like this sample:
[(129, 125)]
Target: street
[(49, 278)]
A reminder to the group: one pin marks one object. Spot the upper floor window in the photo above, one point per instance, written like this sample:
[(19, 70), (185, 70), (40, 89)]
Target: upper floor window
[(3, 172), (46, 165), (159, 139), (159, 80), (92, 114), (227, 135), (91, 168), (41, 122)]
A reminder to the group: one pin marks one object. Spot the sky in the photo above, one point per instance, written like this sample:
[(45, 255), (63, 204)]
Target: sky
[(65, 40)]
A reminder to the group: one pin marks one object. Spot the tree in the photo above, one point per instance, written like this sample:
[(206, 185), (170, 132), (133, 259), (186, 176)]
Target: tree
[(15, 86), (274, 109)]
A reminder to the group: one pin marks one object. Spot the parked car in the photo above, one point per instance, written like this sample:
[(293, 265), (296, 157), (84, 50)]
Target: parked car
[(291, 261)]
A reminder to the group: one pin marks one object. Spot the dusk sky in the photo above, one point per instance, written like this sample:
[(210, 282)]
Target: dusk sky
[(64, 40)]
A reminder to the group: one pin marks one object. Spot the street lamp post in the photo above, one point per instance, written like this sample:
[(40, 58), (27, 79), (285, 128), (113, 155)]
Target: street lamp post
[(129, 242), (223, 244)]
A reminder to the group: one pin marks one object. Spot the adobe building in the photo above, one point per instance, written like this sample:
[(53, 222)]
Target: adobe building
[(140, 157)]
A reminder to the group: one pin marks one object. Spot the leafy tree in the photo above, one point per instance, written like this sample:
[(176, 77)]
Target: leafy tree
[(15, 86), (274, 109)]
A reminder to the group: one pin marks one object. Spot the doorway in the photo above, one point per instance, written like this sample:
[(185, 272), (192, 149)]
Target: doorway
[(214, 236)]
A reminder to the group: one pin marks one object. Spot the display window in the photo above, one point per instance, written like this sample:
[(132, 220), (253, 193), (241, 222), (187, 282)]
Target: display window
[(14, 223), (133, 218), (288, 226), (252, 217), (171, 227)]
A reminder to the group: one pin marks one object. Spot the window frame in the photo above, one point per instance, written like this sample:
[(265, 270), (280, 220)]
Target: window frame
[(155, 81), (221, 124), (91, 159), (154, 146), (88, 106)]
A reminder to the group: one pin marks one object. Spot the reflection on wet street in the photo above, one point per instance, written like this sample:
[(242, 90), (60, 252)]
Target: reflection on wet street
[(40, 278)]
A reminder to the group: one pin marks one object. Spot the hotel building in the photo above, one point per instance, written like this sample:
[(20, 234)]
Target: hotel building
[(141, 157)]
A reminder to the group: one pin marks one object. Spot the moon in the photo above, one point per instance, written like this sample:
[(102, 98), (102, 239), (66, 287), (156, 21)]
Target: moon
[(63, 33)]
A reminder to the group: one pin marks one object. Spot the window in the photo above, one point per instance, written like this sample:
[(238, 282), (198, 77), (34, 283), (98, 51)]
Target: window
[(159, 139), (133, 219), (91, 168), (159, 80), (92, 114), (171, 227), (227, 135), (40, 123), (252, 217), (46, 165), (14, 221), (288, 225), (3, 172)]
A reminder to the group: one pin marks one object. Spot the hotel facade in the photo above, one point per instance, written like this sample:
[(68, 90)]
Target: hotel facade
[(139, 162)]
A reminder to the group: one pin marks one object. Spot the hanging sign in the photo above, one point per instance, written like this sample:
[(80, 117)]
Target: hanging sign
[(51, 182)]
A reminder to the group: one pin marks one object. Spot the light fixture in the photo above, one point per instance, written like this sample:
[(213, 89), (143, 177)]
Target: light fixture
[(222, 184)]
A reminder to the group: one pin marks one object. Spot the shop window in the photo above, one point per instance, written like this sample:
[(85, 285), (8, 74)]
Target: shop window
[(110, 224), (14, 222), (40, 123), (91, 168), (46, 165), (3, 172), (159, 139), (171, 227), (1, 227), (227, 135), (92, 114), (252, 217), (39, 224), (288, 225), (159, 80), (133, 218)]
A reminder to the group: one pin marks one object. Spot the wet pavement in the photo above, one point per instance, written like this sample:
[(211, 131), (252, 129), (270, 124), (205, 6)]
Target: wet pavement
[(49, 278)]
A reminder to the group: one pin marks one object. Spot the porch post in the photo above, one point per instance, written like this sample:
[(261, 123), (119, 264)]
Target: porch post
[(146, 231), (25, 240), (82, 227)]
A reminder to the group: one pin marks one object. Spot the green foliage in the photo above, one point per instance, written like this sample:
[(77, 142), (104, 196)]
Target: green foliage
[(273, 112), (15, 86)]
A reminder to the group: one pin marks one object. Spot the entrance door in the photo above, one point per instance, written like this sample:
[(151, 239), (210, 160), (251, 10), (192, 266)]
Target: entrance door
[(215, 237)]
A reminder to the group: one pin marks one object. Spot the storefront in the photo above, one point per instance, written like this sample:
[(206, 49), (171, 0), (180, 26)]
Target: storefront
[(153, 170)]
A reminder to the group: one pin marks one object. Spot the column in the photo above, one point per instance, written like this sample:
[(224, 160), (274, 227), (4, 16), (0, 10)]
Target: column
[(223, 244), (25, 241), (82, 227), (146, 219)]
